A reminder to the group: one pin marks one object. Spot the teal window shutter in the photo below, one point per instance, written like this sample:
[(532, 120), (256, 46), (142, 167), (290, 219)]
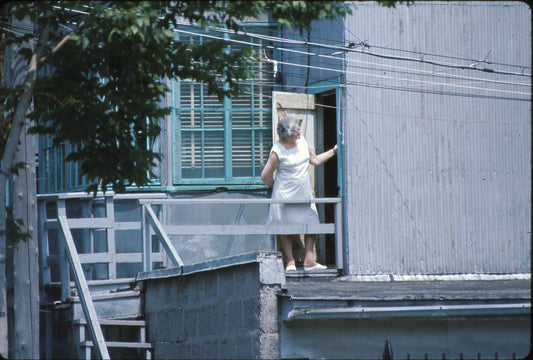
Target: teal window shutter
[(222, 143)]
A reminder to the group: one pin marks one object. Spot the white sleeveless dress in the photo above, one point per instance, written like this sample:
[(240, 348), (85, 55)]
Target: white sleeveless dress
[(291, 181)]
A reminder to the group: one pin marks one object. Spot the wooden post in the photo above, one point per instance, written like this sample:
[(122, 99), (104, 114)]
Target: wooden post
[(146, 241), (339, 251), (43, 238), (110, 235), (25, 340), (64, 268)]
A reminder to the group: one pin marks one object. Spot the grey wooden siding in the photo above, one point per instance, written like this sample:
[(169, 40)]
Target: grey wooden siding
[(437, 170), (305, 63)]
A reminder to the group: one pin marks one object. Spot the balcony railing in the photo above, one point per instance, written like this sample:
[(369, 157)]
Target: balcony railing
[(150, 227), (150, 222)]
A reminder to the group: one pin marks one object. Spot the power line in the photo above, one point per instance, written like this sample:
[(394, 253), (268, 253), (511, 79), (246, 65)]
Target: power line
[(355, 50), (422, 72), (358, 73), (396, 115), (405, 79)]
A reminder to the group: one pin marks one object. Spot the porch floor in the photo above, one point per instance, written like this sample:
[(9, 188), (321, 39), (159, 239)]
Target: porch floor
[(338, 288)]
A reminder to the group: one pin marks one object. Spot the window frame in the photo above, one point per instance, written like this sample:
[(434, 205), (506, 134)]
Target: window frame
[(230, 180)]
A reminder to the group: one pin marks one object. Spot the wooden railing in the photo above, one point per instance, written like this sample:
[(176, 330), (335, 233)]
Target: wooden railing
[(69, 248), (150, 224), (164, 231), (70, 260)]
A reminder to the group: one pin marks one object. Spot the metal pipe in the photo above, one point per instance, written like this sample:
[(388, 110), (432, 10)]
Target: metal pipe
[(362, 312)]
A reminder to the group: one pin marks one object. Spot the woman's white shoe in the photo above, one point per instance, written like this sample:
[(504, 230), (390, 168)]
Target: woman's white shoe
[(316, 267)]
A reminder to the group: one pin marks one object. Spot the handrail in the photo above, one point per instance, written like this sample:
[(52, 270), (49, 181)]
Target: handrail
[(334, 200), (232, 229), (83, 289), (158, 228)]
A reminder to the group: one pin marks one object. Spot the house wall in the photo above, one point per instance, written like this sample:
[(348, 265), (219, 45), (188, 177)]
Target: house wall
[(437, 170), (410, 338), (308, 64)]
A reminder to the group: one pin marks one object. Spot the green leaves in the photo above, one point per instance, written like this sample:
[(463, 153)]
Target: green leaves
[(15, 228), (104, 92)]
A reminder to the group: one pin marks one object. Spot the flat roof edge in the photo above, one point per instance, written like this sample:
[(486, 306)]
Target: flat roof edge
[(209, 265)]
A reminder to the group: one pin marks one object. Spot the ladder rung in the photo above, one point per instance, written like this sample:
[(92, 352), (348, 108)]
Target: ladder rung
[(113, 322), (120, 344)]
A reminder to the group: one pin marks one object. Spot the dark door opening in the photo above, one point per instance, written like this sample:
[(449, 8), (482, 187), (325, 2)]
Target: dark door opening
[(331, 188)]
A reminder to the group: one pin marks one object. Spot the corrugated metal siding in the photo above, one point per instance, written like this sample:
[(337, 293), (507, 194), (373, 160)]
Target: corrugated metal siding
[(438, 177), (309, 64)]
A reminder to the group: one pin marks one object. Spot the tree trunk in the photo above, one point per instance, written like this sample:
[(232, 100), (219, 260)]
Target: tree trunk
[(6, 164), (3, 303), (25, 341)]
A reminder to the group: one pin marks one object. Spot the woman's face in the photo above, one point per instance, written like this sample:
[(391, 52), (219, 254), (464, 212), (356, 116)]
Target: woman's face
[(295, 132)]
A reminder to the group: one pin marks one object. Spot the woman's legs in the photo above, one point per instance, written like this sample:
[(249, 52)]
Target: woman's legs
[(286, 243), (309, 250)]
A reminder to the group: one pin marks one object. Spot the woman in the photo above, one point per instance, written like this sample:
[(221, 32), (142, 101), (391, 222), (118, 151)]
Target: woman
[(289, 159)]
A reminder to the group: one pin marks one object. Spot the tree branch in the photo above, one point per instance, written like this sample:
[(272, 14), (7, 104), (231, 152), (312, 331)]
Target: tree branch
[(58, 47), (8, 156)]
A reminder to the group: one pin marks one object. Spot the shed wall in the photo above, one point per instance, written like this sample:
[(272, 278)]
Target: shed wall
[(438, 159)]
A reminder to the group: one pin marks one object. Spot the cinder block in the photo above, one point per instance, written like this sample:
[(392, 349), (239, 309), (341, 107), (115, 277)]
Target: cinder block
[(234, 320), (227, 349), (191, 324), (182, 351), (225, 284), (211, 349), (176, 329), (182, 291), (268, 347), (241, 347), (165, 350), (246, 280), (210, 287), (251, 311), (196, 291), (225, 313), (197, 350), (269, 317), (246, 348), (164, 331), (152, 320), (211, 321)]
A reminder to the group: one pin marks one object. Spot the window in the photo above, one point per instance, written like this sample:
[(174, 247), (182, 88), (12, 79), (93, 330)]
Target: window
[(223, 143)]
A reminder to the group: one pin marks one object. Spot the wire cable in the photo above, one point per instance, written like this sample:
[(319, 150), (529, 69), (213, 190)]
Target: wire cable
[(360, 73), (348, 49)]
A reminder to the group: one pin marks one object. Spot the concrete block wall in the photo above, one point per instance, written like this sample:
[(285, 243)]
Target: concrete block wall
[(216, 312)]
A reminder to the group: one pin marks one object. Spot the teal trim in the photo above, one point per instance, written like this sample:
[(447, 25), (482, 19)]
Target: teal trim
[(325, 85), (198, 187), (340, 171), (334, 83), (227, 109)]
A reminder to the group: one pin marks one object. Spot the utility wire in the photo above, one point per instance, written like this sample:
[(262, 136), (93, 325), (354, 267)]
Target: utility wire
[(386, 77), (360, 73), (384, 115), (422, 72), (355, 50)]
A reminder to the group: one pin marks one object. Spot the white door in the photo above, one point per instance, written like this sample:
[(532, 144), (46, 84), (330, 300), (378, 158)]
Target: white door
[(301, 106)]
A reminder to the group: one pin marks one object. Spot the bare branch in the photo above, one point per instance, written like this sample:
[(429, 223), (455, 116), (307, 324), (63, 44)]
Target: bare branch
[(46, 58)]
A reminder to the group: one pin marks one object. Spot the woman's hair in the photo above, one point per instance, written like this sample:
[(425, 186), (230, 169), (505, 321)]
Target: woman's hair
[(285, 126)]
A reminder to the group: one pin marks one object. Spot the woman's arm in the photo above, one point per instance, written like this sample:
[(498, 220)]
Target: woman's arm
[(321, 158), (267, 175)]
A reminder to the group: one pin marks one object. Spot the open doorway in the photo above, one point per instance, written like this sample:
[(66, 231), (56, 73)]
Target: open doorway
[(327, 175)]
